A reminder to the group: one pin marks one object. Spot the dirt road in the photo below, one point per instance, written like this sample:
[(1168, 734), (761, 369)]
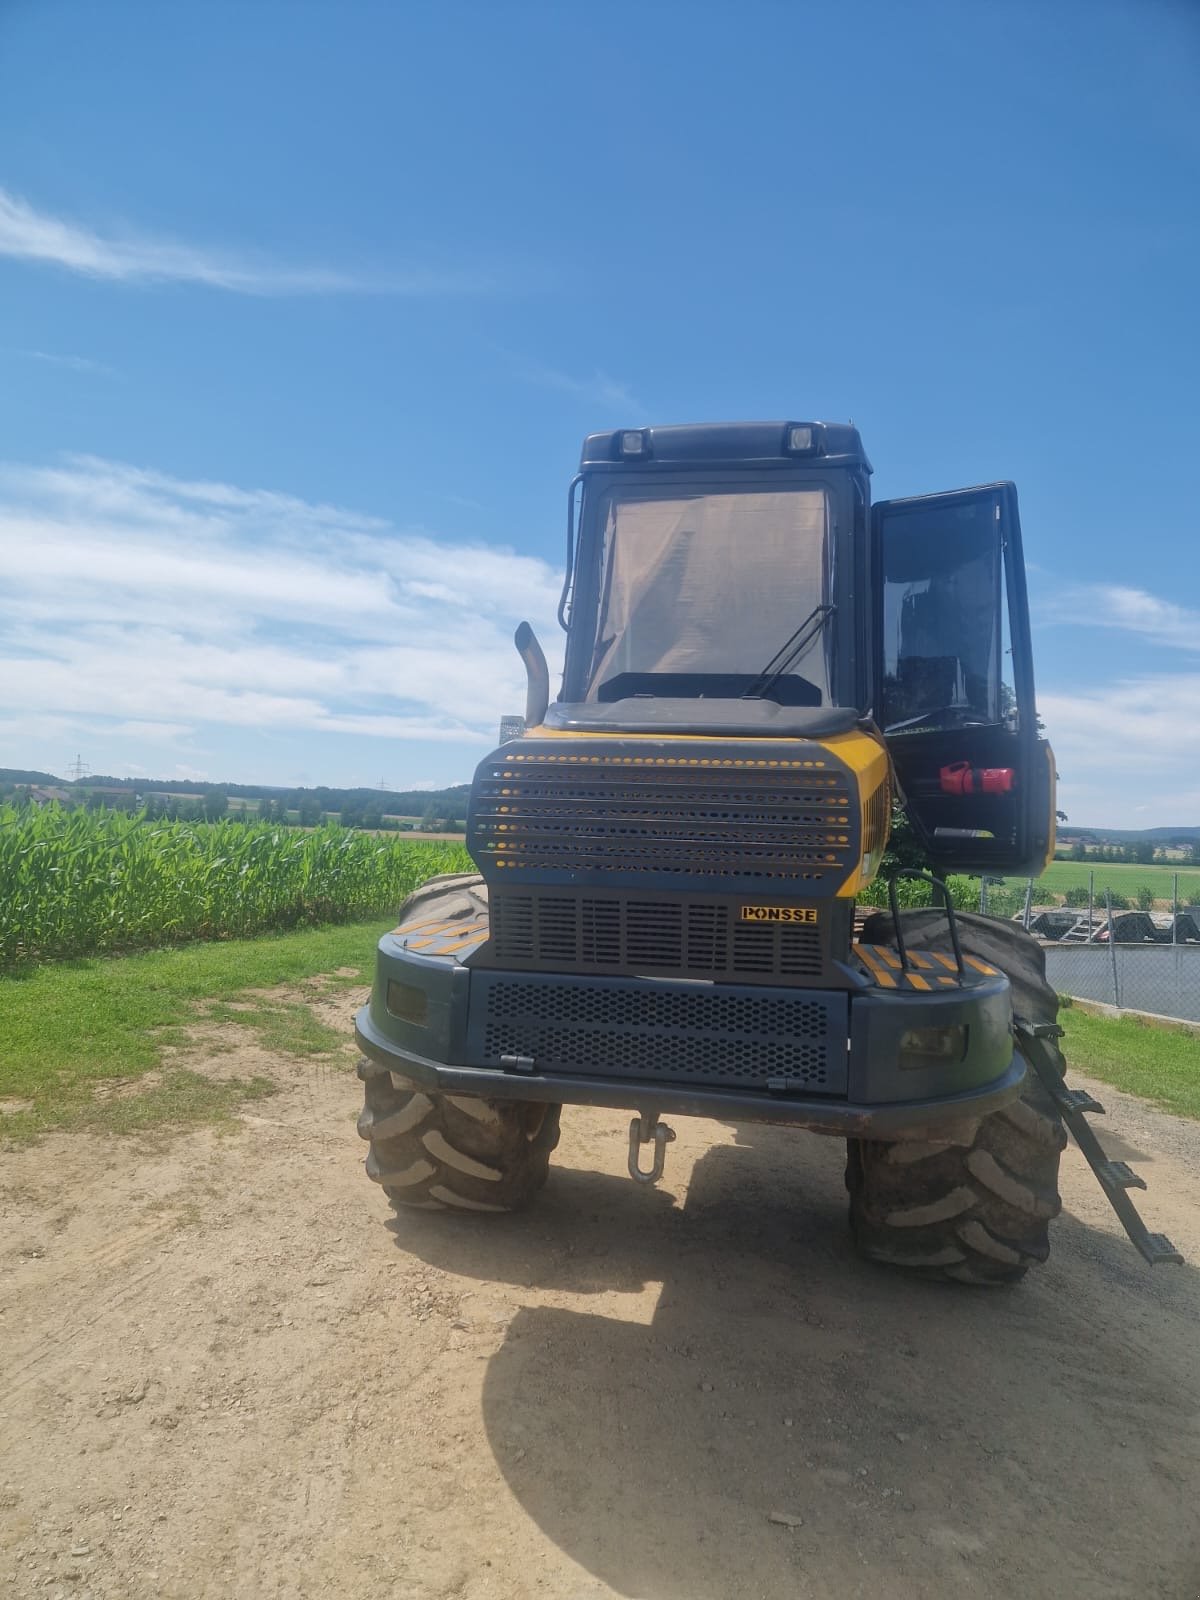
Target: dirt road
[(226, 1371)]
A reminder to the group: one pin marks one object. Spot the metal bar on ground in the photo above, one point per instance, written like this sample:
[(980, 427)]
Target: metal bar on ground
[(1115, 1177)]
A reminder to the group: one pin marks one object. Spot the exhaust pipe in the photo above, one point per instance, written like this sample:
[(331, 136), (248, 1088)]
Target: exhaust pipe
[(537, 675)]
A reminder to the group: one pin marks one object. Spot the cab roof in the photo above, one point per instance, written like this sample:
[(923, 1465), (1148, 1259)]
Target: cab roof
[(726, 443)]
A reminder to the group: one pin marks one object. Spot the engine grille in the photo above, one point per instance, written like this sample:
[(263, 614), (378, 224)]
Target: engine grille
[(549, 931), (660, 1032), (789, 819)]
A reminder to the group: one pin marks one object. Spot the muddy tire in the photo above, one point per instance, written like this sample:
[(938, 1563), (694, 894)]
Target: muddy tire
[(466, 888), (976, 1210), (451, 1152)]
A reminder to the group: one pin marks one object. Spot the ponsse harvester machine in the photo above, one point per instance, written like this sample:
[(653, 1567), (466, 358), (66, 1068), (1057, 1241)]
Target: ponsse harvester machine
[(758, 663)]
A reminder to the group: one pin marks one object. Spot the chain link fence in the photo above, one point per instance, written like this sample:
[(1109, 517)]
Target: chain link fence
[(1097, 948), (1145, 960), (1161, 979)]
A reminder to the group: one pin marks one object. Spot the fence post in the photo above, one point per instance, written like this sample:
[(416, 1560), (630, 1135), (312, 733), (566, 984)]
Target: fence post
[(1028, 901), (1175, 910), (1112, 947), (983, 896), (1091, 933)]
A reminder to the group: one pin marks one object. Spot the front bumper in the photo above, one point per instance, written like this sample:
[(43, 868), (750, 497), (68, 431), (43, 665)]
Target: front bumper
[(899, 1119), (655, 1062)]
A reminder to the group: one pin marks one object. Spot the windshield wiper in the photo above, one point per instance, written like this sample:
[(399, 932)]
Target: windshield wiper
[(932, 720), (790, 652)]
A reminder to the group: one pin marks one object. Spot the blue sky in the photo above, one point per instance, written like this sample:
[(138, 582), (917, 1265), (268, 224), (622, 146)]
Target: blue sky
[(305, 308)]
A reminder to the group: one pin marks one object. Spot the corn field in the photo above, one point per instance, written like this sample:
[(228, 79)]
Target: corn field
[(77, 883)]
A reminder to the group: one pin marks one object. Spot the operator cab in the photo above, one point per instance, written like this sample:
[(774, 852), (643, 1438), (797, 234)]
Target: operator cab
[(710, 566)]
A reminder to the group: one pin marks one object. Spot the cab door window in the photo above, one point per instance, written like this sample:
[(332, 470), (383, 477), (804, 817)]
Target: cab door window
[(942, 587), (956, 679)]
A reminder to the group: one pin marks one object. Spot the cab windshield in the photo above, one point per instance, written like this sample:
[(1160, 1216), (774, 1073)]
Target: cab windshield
[(698, 592)]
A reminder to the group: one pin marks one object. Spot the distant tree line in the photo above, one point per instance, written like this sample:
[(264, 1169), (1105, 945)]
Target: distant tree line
[(1141, 852), (397, 802), (384, 811), (302, 808)]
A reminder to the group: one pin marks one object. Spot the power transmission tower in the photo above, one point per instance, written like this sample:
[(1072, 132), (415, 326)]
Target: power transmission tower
[(78, 769)]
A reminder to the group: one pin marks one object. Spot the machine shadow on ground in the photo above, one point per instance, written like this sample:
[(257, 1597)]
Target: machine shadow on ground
[(922, 1438)]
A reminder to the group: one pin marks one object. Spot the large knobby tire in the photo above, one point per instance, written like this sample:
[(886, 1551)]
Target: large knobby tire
[(453, 894), (976, 1210), (454, 1152)]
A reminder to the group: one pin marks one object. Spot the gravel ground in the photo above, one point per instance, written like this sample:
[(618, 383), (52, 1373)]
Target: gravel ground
[(226, 1370)]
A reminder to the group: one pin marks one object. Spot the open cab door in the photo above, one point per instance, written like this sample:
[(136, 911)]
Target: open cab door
[(956, 700)]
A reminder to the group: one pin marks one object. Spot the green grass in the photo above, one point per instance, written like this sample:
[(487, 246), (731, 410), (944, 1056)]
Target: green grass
[(77, 883), (178, 1099), (284, 1027), (1124, 878), (1161, 1065), (70, 1029)]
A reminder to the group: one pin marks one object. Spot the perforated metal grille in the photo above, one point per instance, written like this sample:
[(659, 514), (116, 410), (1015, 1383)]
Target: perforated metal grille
[(736, 819), (548, 931), (682, 1034)]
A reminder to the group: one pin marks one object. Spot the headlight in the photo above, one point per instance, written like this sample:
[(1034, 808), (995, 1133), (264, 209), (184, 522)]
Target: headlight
[(932, 1047), (408, 1003)]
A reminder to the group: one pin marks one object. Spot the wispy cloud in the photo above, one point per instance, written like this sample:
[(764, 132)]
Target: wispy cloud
[(1151, 717), (599, 389), (30, 235), (1153, 721), (1124, 742), (131, 600), (1107, 605), (69, 363)]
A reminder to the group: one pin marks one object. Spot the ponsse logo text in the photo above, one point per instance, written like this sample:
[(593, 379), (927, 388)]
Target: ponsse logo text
[(779, 913)]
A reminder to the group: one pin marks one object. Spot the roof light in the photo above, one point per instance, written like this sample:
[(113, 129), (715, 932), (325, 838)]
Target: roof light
[(633, 442), (800, 439)]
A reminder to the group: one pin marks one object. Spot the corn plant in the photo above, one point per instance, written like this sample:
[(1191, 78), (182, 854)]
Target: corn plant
[(75, 883)]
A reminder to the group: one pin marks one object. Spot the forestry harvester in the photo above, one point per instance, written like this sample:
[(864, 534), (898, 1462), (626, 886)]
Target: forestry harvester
[(759, 664)]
